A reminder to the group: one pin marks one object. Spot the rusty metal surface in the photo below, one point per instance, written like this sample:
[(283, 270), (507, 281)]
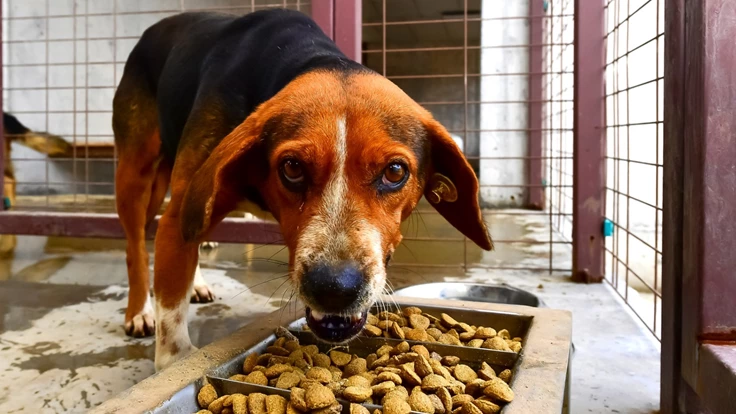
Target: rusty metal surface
[(714, 173), (672, 241), (589, 175), (539, 379), (107, 226)]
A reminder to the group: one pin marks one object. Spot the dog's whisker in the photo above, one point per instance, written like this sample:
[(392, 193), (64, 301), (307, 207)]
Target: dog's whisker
[(262, 245), (277, 252), (390, 290), (277, 289), (281, 314), (270, 261), (406, 246), (260, 283)]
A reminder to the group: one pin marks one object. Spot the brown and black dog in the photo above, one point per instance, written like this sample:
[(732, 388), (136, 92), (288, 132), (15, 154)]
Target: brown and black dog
[(264, 109), (15, 131), (45, 143)]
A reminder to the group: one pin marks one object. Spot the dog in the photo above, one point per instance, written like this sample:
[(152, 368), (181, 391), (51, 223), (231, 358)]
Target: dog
[(264, 112), (45, 143)]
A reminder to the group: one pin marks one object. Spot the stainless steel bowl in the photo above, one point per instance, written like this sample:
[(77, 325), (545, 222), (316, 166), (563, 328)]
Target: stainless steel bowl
[(473, 292)]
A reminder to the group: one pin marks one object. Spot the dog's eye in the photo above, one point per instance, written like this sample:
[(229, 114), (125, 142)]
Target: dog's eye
[(394, 174), (292, 174), (393, 178), (293, 171)]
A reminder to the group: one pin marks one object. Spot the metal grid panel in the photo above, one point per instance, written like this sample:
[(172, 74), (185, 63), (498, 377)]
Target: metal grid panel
[(475, 65), (559, 62), (634, 101), (62, 63)]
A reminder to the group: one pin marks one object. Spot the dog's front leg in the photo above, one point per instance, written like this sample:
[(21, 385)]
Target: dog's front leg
[(174, 269)]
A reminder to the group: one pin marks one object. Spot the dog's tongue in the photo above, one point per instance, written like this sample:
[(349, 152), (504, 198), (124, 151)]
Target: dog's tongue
[(335, 328)]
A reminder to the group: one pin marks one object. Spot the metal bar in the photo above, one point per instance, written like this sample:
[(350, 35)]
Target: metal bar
[(348, 31), (107, 226), (323, 13), (672, 216), (535, 165), (2, 105), (589, 141), (461, 48), (471, 19)]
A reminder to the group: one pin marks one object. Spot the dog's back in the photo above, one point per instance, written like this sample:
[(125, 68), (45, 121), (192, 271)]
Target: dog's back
[(243, 61)]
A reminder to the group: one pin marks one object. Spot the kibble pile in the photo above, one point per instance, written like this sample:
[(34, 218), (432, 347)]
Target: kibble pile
[(415, 325), (401, 378)]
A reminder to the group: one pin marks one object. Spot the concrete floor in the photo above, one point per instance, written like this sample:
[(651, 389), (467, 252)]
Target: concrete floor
[(62, 348)]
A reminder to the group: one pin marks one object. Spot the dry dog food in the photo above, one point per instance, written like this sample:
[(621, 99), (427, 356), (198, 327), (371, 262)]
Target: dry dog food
[(401, 378), (415, 325)]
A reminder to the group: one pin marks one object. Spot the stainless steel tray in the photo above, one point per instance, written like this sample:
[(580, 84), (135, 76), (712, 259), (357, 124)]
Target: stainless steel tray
[(472, 292), (539, 377)]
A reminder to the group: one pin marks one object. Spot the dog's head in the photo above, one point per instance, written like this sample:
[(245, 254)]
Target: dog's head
[(340, 161)]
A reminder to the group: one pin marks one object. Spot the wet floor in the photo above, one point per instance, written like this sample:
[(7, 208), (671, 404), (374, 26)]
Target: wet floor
[(63, 350)]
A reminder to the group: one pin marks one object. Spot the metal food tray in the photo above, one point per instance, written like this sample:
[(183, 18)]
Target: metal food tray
[(540, 370)]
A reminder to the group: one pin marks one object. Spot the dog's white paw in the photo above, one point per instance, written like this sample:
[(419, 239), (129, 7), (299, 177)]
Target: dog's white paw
[(141, 325), (201, 292)]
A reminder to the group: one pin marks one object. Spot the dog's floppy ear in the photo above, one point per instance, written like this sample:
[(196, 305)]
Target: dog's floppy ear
[(452, 187), (214, 188)]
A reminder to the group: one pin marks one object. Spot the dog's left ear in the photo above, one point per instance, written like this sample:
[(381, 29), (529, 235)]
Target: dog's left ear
[(452, 187), (213, 190)]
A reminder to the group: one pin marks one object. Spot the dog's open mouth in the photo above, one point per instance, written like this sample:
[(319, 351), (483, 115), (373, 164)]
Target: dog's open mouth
[(335, 328)]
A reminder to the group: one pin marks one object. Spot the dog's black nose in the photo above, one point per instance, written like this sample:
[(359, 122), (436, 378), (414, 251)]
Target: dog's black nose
[(333, 288)]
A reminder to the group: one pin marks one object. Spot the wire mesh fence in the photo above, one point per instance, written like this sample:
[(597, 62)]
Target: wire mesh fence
[(559, 63), (479, 68), (500, 77), (634, 102), (62, 61)]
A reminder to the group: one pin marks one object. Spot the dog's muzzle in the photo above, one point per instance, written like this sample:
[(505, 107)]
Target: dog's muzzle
[(337, 296)]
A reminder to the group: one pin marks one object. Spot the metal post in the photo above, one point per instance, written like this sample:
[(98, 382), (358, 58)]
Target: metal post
[(589, 141), (323, 12), (348, 27), (535, 163), (670, 377), (2, 126), (699, 318), (709, 154)]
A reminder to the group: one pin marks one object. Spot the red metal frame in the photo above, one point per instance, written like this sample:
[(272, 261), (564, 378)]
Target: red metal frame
[(699, 360), (348, 28), (589, 175), (674, 175), (323, 13)]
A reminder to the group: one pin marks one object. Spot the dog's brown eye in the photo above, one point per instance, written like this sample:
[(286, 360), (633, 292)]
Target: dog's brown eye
[(292, 171), (394, 174)]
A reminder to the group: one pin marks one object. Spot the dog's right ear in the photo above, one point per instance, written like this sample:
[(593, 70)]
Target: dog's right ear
[(213, 191)]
